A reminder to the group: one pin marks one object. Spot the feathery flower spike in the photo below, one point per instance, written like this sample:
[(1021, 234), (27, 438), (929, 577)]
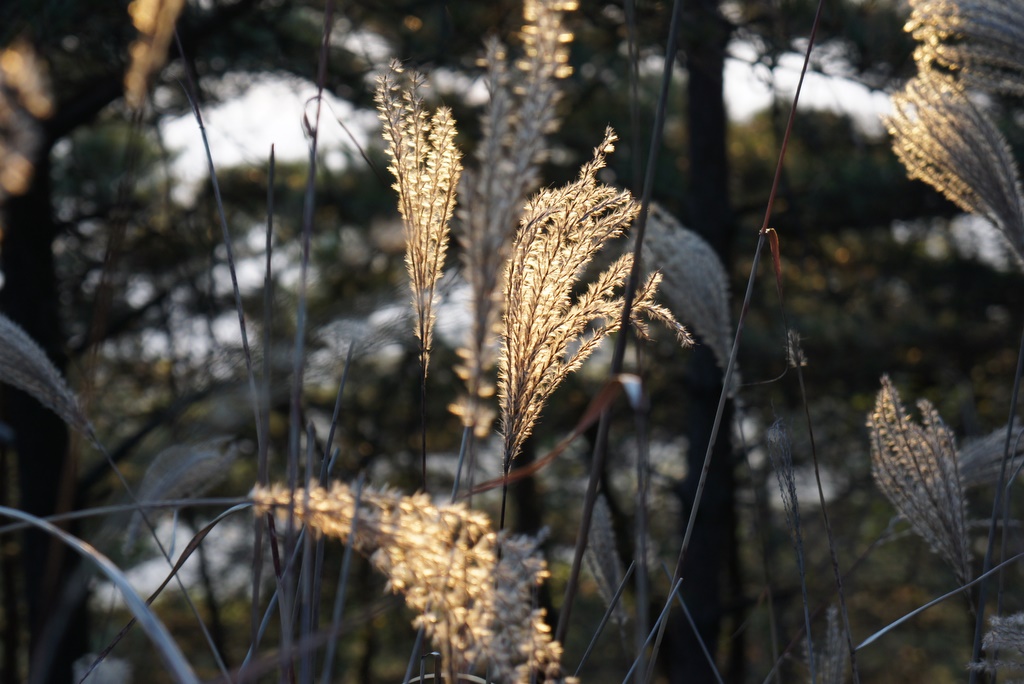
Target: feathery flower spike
[(944, 139), (982, 41), (546, 333), (25, 366), (521, 111), (425, 164), (916, 468), (154, 20), (474, 606)]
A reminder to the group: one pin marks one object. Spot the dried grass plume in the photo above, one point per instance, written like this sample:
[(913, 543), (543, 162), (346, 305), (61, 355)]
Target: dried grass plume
[(1005, 637), (475, 607), (982, 41), (426, 165), (916, 468), (547, 331), (522, 109), (25, 99), (694, 283)]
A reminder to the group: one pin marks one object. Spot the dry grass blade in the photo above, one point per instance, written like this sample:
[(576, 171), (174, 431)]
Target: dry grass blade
[(426, 167), (474, 606), (168, 649), (944, 139), (546, 333), (25, 366), (916, 468), (780, 453), (154, 20), (522, 109), (982, 41)]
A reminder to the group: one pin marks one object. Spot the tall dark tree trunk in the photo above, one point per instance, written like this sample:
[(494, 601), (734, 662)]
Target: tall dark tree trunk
[(709, 212), (56, 610)]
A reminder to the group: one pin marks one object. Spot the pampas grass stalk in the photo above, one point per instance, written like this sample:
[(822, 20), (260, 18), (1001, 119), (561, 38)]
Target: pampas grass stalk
[(25, 366), (945, 139), (982, 41)]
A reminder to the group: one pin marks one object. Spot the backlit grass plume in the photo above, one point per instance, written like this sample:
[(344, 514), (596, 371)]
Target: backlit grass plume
[(830, 661), (943, 137), (982, 41), (475, 607), (916, 468), (548, 332), (426, 167), (521, 110), (946, 140)]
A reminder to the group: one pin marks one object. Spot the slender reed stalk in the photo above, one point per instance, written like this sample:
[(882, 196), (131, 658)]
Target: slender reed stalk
[(168, 650)]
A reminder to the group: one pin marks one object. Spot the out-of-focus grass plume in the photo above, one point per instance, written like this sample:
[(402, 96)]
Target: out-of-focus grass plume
[(154, 20), (25, 99)]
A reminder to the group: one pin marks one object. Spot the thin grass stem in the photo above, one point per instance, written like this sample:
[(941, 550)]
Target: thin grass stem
[(262, 459), (730, 368), (609, 611), (619, 354), (936, 601), (342, 589), (656, 628), (997, 504)]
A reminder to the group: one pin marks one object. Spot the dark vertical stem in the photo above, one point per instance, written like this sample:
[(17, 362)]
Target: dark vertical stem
[(46, 469), (12, 613), (423, 417), (709, 213), (641, 553), (997, 505), (217, 631), (833, 552), (619, 355), (262, 468)]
